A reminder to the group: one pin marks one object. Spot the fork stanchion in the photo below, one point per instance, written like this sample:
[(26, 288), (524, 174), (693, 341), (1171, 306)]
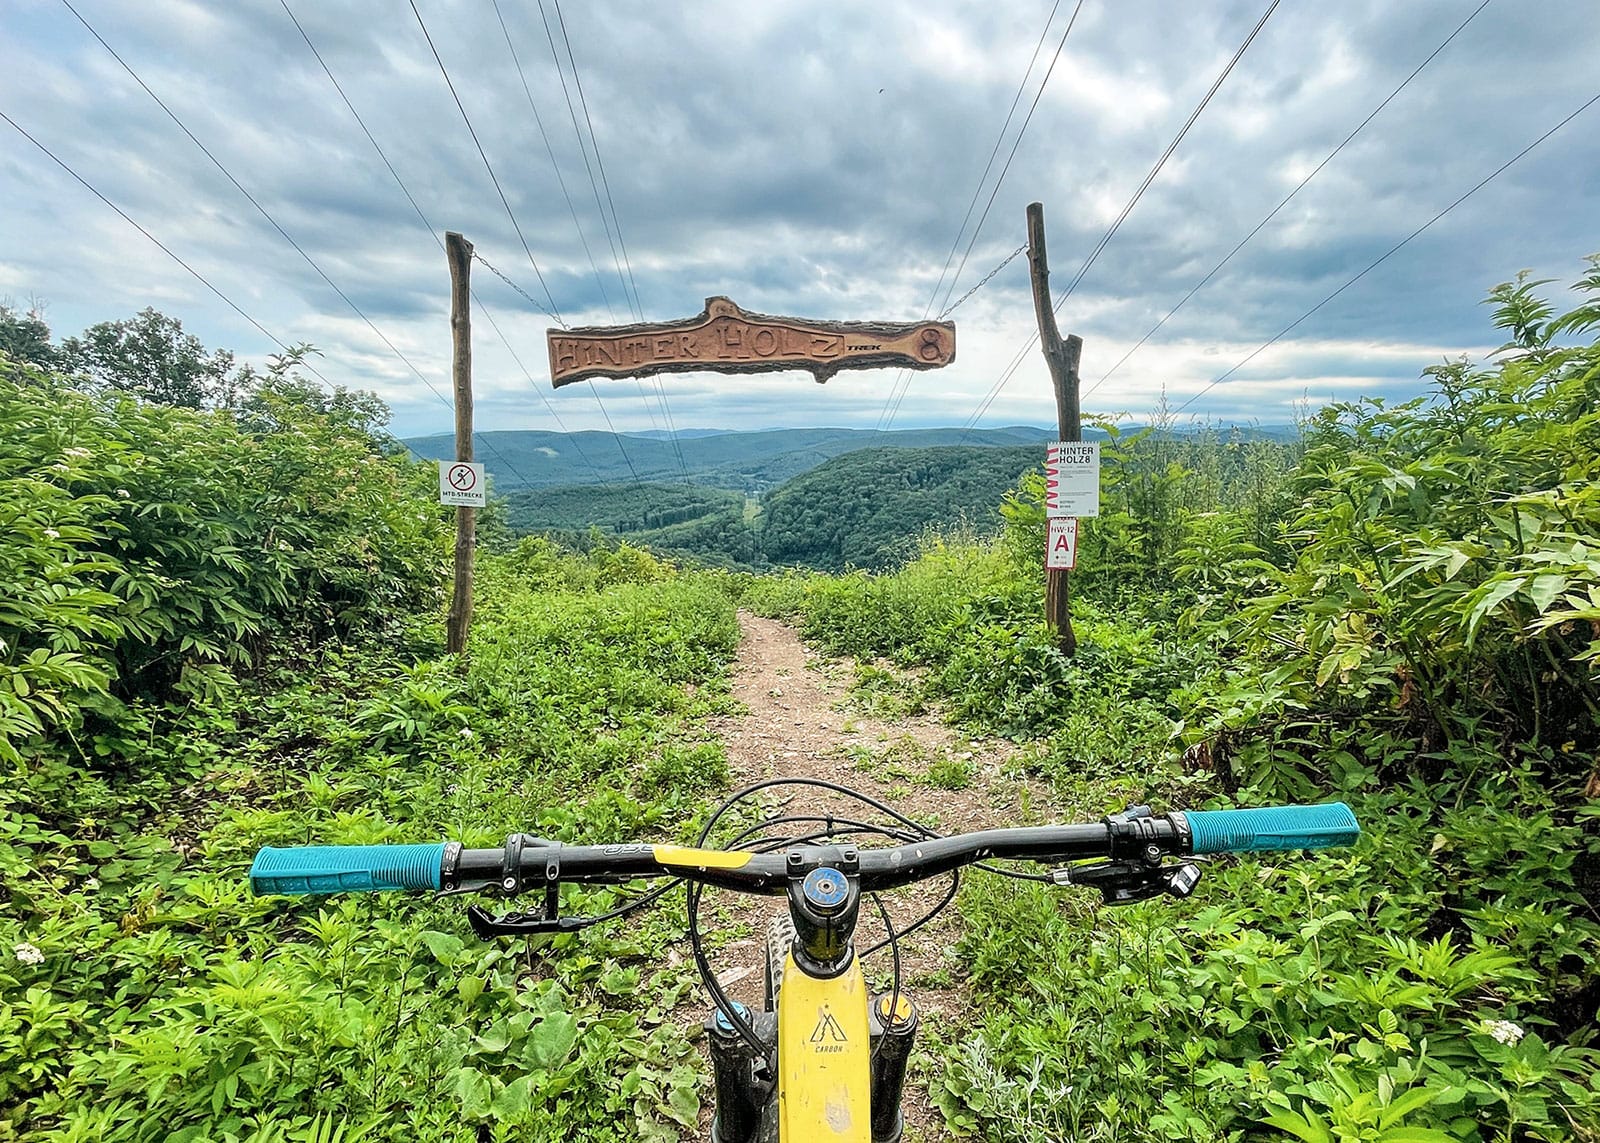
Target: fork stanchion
[(894, 1029)]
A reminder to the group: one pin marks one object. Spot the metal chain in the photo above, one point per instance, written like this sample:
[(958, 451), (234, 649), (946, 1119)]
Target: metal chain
[(948, 310), (487, 265)]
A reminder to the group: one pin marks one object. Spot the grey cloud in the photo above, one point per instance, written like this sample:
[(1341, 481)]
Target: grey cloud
[(750, 153)]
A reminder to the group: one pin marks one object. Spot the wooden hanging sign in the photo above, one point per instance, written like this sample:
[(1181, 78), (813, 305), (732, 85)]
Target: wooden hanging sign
[(726, 339)]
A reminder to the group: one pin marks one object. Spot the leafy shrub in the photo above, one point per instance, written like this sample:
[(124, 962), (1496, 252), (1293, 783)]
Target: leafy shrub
[(145, 995), (1440, 574), (156, 549)]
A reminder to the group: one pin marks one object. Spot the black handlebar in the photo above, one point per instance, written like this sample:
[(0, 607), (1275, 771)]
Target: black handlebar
[(532, 863)]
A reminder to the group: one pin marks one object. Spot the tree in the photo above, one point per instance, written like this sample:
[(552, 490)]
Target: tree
[(151, 357), (24, 336)]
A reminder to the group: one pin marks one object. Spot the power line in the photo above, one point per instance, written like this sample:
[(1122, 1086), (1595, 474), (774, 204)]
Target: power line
[(1015, 143), (625, 278), (1387, 254), (616, 221), (554, 165), (583, 151), (994, 153), (1010, 370), (618, 436), (163, 247), (266, 215), (1165, 155), (1273, 213), (583, 238), (429, 227), (302, 363), (594, 141), (902, 384), (554, 311)]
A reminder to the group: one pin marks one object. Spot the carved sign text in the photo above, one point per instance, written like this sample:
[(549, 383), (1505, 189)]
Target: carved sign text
[(726, 339)]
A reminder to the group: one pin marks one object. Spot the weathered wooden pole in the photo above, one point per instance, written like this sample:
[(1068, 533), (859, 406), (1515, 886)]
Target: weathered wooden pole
[(1061, 355), (458, 251)]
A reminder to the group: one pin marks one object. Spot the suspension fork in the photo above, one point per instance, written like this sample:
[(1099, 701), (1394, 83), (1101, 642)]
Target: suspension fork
[(841, 1055)]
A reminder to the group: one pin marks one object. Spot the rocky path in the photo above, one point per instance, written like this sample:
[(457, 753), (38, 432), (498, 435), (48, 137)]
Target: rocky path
[(805, 717)]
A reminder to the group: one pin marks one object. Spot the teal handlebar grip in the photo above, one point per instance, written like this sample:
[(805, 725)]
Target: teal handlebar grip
[(345, 868), (1277, 827)]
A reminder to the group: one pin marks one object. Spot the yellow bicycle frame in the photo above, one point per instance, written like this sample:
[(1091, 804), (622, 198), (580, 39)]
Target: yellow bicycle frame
[(824, 1057)]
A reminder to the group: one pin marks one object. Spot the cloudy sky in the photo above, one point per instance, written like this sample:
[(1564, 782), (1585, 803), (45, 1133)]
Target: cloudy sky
[(813, 159)]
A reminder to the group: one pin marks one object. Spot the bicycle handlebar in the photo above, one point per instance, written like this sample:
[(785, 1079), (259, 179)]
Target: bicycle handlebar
[(527, 863)]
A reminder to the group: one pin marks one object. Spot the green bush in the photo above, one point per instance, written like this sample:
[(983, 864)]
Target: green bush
[(154, 551), (1406, 616), (145, 995)]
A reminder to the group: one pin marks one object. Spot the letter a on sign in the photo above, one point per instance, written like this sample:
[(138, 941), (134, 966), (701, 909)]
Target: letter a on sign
[(1061, 544)]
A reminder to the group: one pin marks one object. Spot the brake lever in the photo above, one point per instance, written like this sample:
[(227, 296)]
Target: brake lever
[(1128, 882), (487, 926)]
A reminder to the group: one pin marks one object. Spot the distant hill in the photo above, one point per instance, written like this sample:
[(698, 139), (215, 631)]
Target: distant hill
[(708, 525), (862, 508), (866, 509), (620, 508), (749, 462)]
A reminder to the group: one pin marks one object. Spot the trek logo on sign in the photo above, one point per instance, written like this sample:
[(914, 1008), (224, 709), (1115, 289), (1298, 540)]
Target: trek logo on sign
[(828, 1036), (461, 484), (1061, 544), (1072, 478)]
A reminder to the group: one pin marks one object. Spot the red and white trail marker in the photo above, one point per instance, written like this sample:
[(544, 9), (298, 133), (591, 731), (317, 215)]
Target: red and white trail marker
[(1072, 478)]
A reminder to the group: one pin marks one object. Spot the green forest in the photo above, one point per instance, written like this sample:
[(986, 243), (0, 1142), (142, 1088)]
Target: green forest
[(866, 509), (203, 651), (752, 462)]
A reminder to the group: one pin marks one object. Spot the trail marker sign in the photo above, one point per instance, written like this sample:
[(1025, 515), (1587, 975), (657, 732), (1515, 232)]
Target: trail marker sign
[(1072, 479), (461, 484), (1061, 543)]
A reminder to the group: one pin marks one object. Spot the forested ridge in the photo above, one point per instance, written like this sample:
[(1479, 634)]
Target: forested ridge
[(752, 462), (868, 509), (865, 509), (206, 647)]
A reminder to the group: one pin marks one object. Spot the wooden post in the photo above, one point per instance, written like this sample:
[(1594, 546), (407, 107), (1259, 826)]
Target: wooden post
[(1062, 356), (458, 251)]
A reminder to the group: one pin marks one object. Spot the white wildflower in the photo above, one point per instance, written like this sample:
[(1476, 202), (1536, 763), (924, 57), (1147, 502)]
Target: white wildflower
[(27, 954), (76, 452), (92, 884), (1504, 1031), (123, 493), (52, 533), (466, 732)]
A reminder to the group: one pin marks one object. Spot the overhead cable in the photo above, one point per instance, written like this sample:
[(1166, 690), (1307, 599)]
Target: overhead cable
[(1273, 213), (429, 227), (554, 311), (1016, 361), (623, 264), (902, 383), (1385, 256), (289, 238)]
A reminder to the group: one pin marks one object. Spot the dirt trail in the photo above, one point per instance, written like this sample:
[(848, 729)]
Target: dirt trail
[(801, 720)]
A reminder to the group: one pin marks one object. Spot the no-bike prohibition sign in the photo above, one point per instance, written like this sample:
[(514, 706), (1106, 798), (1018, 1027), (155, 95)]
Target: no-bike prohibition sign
[(461, 484), (1061, 543)]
